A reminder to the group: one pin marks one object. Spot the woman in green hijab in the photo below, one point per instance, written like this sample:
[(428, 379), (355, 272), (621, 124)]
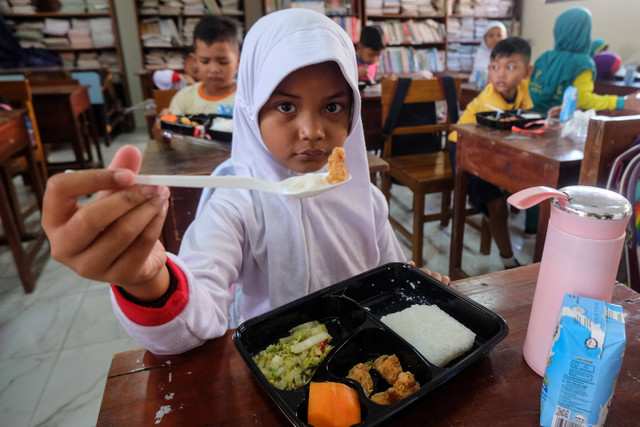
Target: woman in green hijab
[(570, 63)]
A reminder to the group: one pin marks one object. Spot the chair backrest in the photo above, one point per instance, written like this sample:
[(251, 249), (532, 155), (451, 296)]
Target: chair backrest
[(607, 138), (18, 93), (420, 91), (163, 98)]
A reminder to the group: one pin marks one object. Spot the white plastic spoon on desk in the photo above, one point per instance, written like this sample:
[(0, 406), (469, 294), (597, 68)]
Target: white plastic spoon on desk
[(307, 185)]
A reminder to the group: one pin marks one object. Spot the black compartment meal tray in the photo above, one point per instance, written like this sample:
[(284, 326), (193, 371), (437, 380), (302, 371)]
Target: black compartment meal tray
[(487, 118), (203, 119), (351, 310)]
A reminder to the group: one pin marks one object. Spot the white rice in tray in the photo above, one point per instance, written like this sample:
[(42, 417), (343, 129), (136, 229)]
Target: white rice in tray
[(436, 335)]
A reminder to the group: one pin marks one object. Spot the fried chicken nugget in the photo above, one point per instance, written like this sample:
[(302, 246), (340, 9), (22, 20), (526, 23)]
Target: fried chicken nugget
[(403, 387), (389, 367), (381, 398), (360, 373), (336, 167)]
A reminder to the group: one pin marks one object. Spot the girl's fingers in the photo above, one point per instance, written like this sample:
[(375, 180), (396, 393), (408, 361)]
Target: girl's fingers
[(140, 255), (63, 190), (98, 254)]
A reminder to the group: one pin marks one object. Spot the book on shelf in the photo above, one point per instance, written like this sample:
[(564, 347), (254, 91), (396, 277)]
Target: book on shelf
[(317, 5), (403, 60), (351, 25), (411, 31)]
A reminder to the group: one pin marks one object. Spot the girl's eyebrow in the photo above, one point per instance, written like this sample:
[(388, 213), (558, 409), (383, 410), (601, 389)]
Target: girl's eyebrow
[(279, 92)]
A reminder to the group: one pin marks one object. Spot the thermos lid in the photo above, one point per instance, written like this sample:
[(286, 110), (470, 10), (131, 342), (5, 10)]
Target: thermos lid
[(593, 202)]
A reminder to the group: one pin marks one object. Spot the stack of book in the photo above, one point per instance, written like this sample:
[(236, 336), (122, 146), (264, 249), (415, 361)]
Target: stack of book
[(109, 59), (193, 7), (22, 6), (170, 7), (493, 7), (351, 25), (88, 60), (174, 60), (73, 6), (374, 7), (29, 33), (337, 7), (230, 6), (148, 7), (97, 6), (391, 7), (152, 35), (411, 31), (154, 60), (188, 26), (409, 60), (102, 32)]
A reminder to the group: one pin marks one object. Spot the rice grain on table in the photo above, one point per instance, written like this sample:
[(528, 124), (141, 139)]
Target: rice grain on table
[(436, 335)]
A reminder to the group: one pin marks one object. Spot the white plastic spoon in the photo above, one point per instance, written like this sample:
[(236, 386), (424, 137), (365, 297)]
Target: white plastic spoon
[(307, 185)]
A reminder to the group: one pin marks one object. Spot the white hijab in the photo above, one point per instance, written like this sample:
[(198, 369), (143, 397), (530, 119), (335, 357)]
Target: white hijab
[(482, 57), (303, 244)]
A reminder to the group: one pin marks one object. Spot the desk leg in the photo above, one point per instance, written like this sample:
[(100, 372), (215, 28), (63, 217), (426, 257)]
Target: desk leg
[(543, 223), (12, 233), (457, 230), (93, 134)]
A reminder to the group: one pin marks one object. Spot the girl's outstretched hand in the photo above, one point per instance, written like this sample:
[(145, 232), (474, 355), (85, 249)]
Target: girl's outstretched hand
[(113, 238), (444, 279)]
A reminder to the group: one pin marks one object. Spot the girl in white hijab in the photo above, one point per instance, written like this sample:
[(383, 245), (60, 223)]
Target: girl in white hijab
[(493, 33), (297, 99), (278, 248)]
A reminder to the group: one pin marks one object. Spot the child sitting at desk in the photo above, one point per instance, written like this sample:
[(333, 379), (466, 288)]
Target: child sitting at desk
[(297, 100), (569, 63), (172, 79), (368, 51), (217, 53), (508, 90)]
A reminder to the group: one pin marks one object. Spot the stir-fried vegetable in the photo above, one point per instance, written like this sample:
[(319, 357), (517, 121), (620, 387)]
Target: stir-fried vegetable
[(292, 361)]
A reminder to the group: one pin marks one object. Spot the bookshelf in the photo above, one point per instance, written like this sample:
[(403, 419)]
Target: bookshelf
[(421, 34), (165, 28), (84, 33), (86, 36)]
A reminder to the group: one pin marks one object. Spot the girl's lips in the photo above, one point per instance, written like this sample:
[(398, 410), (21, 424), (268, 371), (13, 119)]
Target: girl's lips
[(311, 153)]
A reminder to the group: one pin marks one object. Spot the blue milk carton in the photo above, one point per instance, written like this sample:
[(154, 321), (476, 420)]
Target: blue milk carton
[(569, 103), (583, 365)]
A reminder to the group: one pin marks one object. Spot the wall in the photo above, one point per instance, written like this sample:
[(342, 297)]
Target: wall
[(615, 21), (131, 55)]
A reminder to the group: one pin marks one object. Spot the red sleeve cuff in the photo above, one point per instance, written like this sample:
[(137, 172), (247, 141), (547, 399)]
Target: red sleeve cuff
[(148, 316)]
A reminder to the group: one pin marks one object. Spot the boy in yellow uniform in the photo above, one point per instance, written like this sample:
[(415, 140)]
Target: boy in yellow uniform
[(508, 73), (217, 53)]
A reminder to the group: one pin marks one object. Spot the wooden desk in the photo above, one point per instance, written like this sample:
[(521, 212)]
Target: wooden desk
[(65, 115), (14, 139), (180, 156), (211, 384), (513, 162), (614, 87)]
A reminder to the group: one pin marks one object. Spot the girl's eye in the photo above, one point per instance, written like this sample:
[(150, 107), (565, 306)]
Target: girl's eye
[(334, 108), (286, 107)]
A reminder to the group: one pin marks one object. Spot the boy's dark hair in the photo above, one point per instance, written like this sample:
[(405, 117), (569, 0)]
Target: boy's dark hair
[(511, 46), (371, 37), (212, 29)]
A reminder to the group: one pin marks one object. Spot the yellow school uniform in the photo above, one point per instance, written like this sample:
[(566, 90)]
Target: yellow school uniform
[(490, 96)]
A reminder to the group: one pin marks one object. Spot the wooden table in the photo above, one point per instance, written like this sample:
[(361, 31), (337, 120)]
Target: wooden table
[(615, 87), (513, 162), (65, 115), (14, 139), (211, 384)]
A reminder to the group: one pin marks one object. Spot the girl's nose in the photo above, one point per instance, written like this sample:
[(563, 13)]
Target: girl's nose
[(310, 127)]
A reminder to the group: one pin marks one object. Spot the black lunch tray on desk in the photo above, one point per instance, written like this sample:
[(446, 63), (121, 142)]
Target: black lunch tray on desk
[(203, 119), (488, 118), (351, 310)]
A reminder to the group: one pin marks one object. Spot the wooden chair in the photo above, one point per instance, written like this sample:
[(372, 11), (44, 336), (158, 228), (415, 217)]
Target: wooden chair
[(422, 173), (607, 138), (18, 93)]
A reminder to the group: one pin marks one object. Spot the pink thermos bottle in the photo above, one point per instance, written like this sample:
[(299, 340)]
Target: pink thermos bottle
[(581, 256)]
